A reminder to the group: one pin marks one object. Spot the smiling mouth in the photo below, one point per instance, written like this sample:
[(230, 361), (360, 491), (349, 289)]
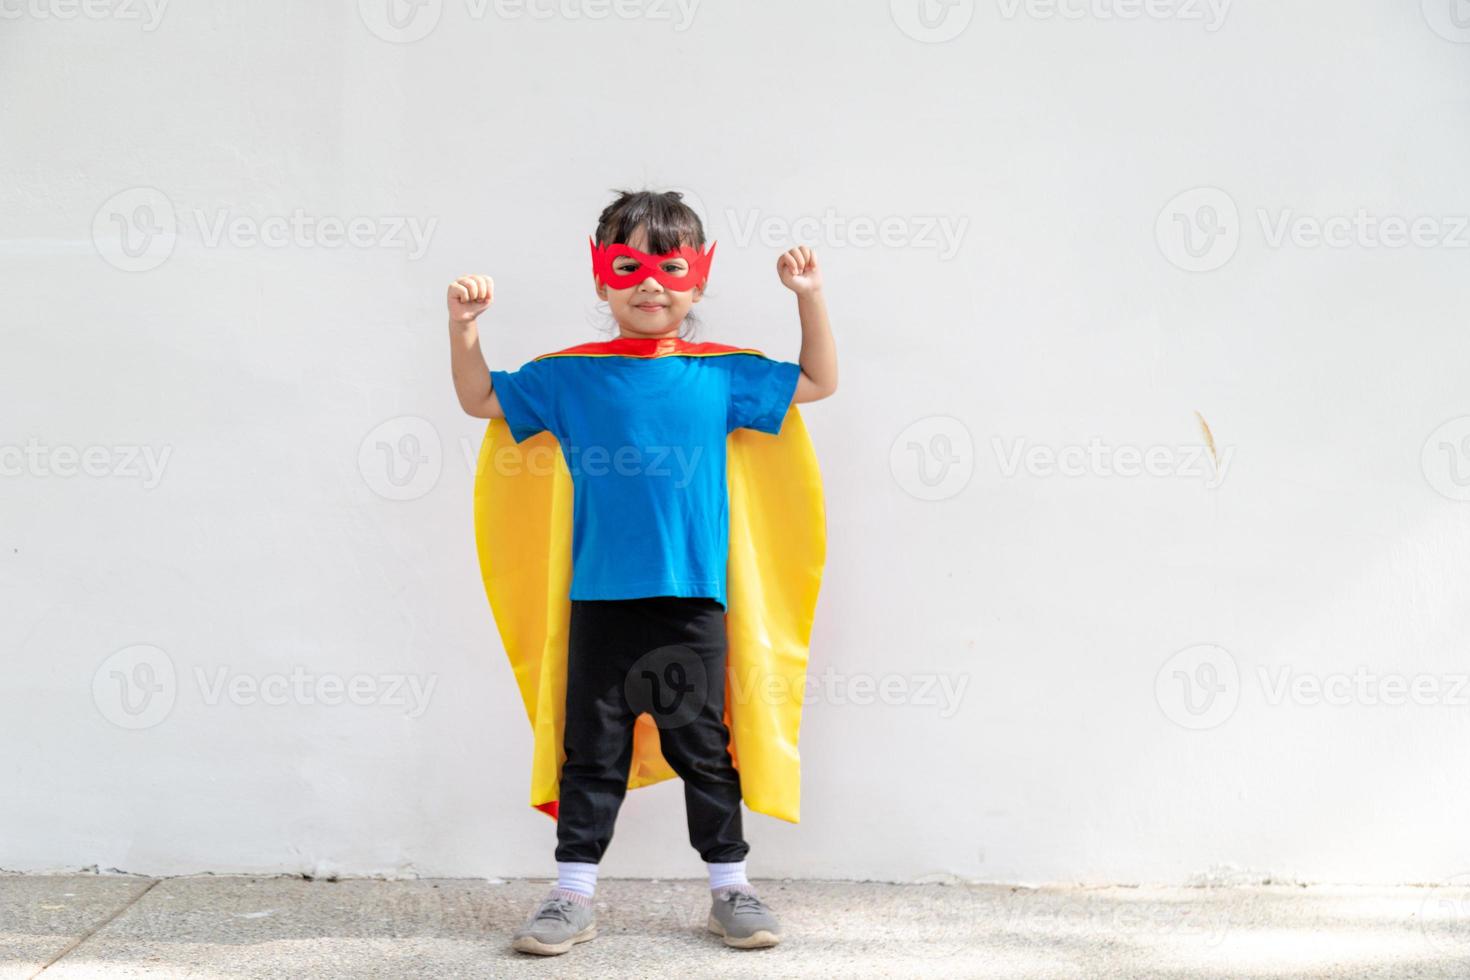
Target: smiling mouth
[(650, 307)]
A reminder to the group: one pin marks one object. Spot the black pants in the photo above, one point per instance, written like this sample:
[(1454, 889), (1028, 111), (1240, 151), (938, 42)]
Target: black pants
[(664, 655)]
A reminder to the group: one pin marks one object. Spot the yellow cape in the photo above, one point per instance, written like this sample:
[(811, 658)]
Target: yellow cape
[(778, 543)]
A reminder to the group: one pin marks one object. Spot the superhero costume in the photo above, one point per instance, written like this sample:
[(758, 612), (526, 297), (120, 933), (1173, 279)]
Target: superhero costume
[(523, 504)]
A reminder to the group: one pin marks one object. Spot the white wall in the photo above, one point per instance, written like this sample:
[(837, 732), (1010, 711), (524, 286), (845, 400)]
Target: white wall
[(1052, 147)]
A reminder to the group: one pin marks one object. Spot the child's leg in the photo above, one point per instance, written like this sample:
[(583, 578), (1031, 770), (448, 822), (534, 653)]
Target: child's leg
[(696, 742), (597, 739)]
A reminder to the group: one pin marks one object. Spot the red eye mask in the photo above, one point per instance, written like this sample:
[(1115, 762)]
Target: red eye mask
[(605, 256)]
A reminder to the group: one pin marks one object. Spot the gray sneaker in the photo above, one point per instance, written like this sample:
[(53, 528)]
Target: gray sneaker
[(744, 921), (556, 926)]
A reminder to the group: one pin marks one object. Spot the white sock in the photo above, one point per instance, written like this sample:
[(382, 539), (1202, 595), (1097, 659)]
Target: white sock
[(725, 875), (576, 876)]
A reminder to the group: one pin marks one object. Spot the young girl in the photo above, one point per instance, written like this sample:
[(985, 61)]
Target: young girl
[(649, 544)]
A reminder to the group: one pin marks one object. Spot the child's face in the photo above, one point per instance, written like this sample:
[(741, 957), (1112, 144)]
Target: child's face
[(648, 309)]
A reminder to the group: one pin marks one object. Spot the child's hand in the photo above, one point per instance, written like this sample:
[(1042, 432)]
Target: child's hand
[(469, 296), (798, 271)]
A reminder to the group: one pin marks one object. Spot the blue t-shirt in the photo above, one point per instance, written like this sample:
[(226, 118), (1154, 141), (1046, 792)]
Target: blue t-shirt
[(644, 439)]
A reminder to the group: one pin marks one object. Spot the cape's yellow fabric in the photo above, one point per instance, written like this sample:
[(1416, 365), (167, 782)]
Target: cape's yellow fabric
[(778, 545)]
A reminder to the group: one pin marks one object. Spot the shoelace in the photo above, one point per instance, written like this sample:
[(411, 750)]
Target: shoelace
[(745, 902), (555, 908)]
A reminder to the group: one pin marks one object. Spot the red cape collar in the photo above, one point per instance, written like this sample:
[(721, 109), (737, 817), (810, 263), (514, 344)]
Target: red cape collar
[(648, 347)]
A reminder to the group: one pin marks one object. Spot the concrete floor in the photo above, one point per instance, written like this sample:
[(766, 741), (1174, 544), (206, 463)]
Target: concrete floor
[(66, 926)]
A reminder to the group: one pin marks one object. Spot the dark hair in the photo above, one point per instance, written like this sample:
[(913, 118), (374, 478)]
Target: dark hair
[(665, 218)]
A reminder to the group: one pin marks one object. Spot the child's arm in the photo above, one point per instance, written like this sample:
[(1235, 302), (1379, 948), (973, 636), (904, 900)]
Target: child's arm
[(469, 296), (799, 273)]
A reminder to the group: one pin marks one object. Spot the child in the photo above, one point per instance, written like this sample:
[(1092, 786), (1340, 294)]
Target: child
[(649, 545)]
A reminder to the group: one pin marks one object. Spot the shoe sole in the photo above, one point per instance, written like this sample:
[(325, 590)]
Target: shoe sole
[(530, 944), (759, 939)]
